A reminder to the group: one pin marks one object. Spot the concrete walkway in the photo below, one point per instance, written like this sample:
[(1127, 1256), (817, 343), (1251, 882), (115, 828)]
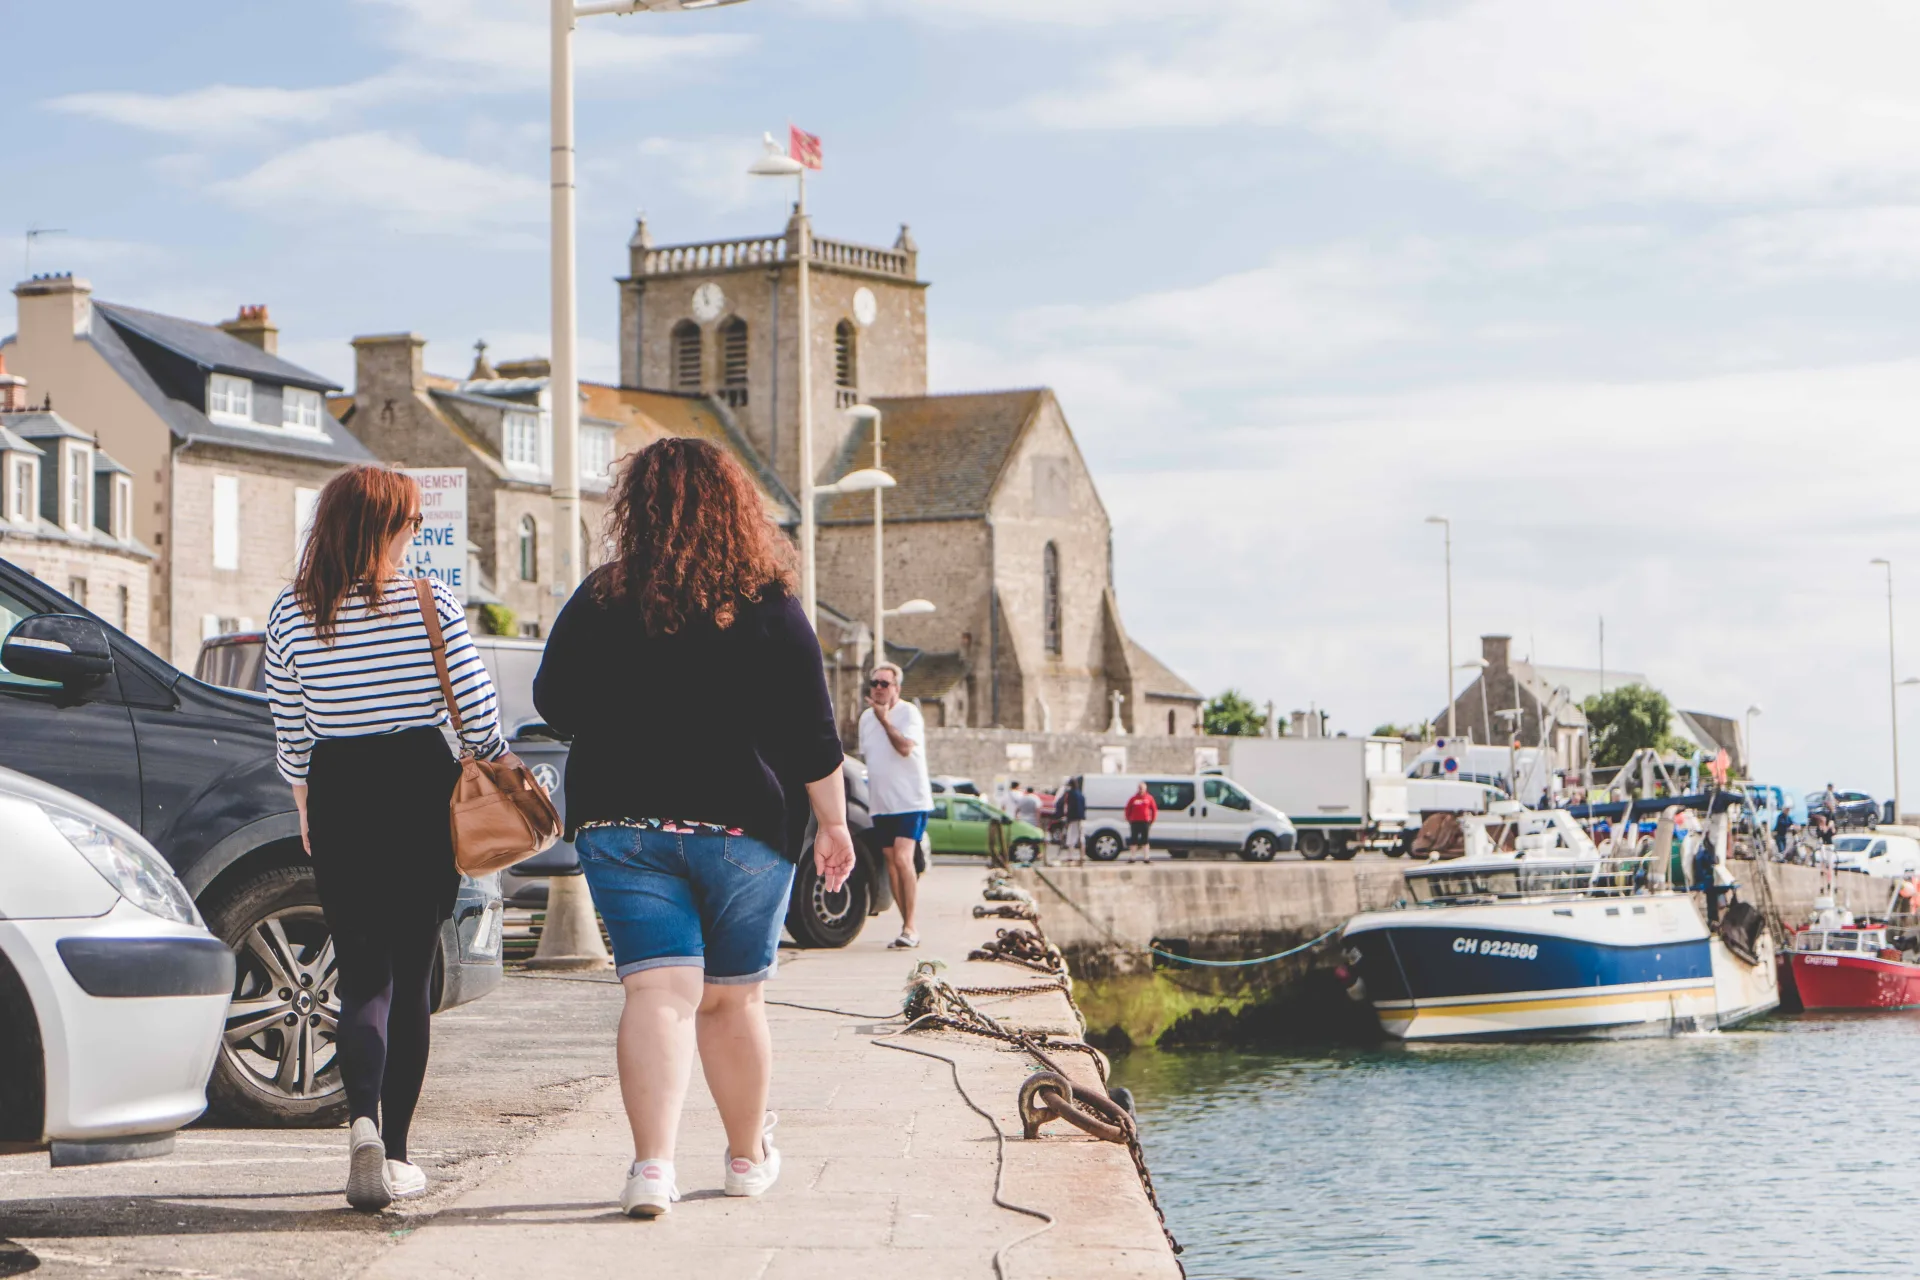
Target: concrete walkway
[(887, 1171)]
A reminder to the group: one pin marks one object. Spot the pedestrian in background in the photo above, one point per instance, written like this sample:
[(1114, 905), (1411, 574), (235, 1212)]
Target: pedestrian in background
[(1783, 831), (1073, 808), (693, 689), (893, 742), (1141, 812), (357, 710), (1026, 805)]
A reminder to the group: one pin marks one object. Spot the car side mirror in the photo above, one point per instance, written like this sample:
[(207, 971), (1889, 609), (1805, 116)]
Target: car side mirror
[(58, 646)]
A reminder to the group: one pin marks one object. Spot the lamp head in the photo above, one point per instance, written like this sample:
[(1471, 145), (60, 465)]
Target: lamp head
[(914, 608), (864, 413), (774, 162), (865, 480), (1473, 664), (1437, 520), (1881, 560)]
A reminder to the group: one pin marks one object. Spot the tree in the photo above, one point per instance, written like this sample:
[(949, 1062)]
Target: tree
[(1411, 732), (1233, 715), (498, 620), (1624, 720)]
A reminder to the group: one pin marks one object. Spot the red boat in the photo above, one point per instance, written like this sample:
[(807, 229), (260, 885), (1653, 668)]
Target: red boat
[(1841, 963)]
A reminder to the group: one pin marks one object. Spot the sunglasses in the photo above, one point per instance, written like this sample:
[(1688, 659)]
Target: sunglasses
[(879, 684), (416, 522)]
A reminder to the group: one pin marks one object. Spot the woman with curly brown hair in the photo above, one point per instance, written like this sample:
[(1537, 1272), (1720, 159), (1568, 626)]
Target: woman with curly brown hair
[(693, 689)]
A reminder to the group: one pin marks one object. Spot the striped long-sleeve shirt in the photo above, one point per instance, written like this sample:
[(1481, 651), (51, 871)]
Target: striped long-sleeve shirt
[(377, 676)]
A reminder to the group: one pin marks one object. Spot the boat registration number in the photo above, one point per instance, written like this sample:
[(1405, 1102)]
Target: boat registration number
[(1497, 947)]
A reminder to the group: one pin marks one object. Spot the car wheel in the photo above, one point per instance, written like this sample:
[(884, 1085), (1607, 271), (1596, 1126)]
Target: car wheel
[(1105, 846), (817, 918), (1025, 851), (23, 1072), (1343, 850), (1261, 846), (1313, 845), (278, 1063), (1180, 853)]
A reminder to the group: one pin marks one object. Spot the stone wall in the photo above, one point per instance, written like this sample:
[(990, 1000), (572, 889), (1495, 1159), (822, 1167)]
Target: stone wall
[(981, 754), (107, 574)]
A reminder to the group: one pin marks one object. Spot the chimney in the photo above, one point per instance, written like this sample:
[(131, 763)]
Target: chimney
[(13, 389), (388, 364), (253, 327), (54, 307), (1496, 649)]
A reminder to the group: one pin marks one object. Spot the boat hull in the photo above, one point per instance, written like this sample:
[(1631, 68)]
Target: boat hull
[(1855, 982), (1529, 971)]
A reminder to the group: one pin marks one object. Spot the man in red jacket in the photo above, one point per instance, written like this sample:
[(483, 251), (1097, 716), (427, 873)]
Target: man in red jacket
[(1141, 811)]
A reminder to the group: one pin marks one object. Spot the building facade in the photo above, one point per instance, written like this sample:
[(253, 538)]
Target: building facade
[(225, 444)]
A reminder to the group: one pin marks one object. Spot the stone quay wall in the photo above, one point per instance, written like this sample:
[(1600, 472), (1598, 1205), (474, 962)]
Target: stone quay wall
[(1045, 759)]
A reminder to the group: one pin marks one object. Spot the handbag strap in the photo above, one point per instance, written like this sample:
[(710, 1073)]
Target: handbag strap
[(430, 615)]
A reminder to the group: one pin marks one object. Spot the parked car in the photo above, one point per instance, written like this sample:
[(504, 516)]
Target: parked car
[(1852, 809), (1198, 812), (190, 767), (960, 824), (947, 784), (817, 918), (113, 995), (1894, 857)]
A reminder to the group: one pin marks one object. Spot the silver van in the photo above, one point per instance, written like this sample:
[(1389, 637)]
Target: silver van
[(1198, 812)]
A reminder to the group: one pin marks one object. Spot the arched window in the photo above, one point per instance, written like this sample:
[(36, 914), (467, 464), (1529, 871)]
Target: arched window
[(846, 365), (1170, 727), (529, 550), (686, 356), (1050, 590), (733, 362)]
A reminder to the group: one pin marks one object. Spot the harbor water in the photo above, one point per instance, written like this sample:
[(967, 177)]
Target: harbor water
[(1785, 1148)]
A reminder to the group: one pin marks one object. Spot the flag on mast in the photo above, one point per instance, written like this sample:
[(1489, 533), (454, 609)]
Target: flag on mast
[(803, 146)]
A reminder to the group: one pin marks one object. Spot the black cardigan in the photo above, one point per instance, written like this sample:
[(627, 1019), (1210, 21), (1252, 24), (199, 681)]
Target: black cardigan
[(709, 725)]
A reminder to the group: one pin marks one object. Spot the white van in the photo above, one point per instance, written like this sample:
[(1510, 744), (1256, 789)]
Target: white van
[(1197, 811), (1894, 857)]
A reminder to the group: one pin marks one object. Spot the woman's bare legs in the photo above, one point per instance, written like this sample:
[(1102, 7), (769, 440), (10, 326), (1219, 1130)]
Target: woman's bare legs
[(656, 1054), (736, 1053)]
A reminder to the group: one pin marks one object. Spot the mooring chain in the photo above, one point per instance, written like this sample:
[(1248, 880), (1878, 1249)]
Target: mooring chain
[(1007, 911)]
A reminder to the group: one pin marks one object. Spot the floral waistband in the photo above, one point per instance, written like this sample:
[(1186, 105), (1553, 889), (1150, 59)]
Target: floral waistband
[(677, 826)]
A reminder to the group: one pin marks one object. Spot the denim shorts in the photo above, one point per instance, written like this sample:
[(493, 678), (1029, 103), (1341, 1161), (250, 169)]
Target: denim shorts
[(714, 902)]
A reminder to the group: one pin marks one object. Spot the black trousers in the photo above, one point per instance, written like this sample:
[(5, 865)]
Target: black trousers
[(383, 857), (1137, 834)]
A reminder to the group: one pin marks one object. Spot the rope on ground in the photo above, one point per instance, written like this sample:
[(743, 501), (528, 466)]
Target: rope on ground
[(1175, 956), (1000, 1168)]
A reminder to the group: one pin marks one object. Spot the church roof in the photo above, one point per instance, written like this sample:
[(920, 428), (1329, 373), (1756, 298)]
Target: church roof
[(1158, 678), (946, 452), (660, 414)]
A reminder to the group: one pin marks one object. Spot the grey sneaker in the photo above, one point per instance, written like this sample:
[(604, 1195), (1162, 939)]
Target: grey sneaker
[(905, 942), (744, 1177), (407, 1179), (368, 1185)]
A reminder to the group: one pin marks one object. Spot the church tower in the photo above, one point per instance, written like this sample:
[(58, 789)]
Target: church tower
[(721, 318)]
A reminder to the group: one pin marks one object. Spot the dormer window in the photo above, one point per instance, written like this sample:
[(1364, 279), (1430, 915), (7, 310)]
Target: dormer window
[(230, 400), (300, 409), (77, 514), (23, 489), (596, 454), (122, 528), (520, 440)]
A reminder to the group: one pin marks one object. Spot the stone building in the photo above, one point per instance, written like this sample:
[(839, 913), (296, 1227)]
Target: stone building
[(227, 444), (1548, 706), (66, 512), (995, 517)]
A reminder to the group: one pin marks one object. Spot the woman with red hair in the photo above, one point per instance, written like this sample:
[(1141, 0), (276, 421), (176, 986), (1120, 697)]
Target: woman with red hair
[(357, 710), (693, 689)]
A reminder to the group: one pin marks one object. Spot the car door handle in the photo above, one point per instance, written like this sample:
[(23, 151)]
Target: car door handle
[(1192, 810)]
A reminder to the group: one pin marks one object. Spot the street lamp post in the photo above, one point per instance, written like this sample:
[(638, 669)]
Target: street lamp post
[(1893, 688), (868, 414), (872, 480), (1446, 526), (1486, 716), (571, 938), (775, 163), (1752, 711)]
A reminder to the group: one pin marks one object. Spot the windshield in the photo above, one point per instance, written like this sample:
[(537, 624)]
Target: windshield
[(1851, 844)]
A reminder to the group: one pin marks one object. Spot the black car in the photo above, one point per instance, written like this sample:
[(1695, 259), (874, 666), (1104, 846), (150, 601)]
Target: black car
[(191, 767), (1850, 809), (815, 917)]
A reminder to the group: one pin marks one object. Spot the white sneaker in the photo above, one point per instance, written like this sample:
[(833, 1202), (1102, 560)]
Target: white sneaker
[(368, 1185), (650, 1189), (905, 942), (406, 1178), (744, 1177)]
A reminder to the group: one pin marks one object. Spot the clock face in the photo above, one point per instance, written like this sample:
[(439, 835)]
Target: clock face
[(708, 303), (865, 306)]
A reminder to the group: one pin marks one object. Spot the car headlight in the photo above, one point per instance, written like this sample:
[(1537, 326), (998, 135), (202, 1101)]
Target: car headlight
[(136, 873)]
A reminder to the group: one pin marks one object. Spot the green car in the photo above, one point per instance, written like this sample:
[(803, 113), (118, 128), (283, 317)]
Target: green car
[(959, 825)]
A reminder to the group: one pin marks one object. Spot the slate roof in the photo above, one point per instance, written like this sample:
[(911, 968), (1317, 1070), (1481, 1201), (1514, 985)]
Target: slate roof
[(946, 452), (188, 424), (1158, 677), (664, 413), (43, 424), (211, 347), (10, 441)]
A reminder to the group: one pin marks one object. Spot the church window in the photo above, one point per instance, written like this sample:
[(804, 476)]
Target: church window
[(1170, 725), (529, 549), (1050, 588), (733, 362), (686, 356), (846, 365)]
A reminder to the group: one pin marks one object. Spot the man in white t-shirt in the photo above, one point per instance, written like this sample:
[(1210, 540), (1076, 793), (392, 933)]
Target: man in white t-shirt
[(893, 742)]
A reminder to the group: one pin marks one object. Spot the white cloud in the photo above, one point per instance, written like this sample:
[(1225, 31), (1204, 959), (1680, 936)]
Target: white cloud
[(1723, 101), (390, 181), (225, 112), (712, 170)]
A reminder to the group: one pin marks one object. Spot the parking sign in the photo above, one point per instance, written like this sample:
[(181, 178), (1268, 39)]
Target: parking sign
[(439, 550)]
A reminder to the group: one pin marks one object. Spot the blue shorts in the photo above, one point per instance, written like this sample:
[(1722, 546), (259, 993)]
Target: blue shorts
[(713, 902), (888, 827)]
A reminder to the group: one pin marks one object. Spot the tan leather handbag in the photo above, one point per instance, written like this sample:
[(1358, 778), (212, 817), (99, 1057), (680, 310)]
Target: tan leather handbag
[(500, 813)]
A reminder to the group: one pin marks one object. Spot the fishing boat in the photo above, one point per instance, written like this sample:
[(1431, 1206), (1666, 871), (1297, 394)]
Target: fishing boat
[(1533, 934), (1843, 963)]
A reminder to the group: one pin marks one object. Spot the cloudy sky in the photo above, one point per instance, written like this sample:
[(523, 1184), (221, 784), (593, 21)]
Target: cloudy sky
[(1626, 289)]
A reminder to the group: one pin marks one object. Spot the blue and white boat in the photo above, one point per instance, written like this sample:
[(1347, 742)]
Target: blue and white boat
[(1532, 934)]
